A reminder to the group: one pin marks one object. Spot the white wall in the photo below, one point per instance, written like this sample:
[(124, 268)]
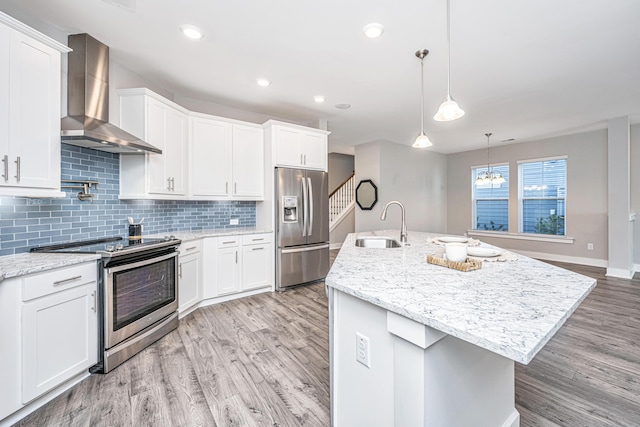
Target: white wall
[(635, 190), (341, 166), (586, 218), (416, 178)]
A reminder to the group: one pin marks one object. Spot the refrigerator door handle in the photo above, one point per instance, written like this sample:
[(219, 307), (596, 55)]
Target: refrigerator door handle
[(310, 189), (305, 249), (304, 207)]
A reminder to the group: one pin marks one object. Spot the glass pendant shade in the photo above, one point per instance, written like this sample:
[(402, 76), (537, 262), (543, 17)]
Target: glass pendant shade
[(449, 110), (422, 141)]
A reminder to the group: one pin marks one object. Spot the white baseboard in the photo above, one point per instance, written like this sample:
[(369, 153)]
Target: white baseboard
[(333, 246), (594, 262), (621, 273)]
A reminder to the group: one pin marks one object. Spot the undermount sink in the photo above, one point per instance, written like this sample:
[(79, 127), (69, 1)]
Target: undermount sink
[(377, 242)]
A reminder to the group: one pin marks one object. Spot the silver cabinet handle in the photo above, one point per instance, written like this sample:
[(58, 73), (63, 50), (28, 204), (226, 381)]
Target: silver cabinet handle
[(230, 241), (93, 294), (63, 281), (257, 249), (257, 240), (173, 184), (301, 159), (226, 187), (5, 159), (191, 248), (169, 184), (236, 257), (180, 270), (18, 168), (235, 187), (305, 159)]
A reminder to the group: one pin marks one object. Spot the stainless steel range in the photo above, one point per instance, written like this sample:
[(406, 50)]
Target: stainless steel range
[(138, 291)]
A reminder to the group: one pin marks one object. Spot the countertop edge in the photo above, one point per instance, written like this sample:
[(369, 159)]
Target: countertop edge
[(28, 263)]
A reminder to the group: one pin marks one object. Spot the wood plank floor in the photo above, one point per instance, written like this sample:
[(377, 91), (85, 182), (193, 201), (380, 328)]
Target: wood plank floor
[(263, 361)]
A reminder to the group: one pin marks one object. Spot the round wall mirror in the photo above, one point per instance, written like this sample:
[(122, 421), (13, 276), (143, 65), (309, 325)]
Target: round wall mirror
[(366, 194)]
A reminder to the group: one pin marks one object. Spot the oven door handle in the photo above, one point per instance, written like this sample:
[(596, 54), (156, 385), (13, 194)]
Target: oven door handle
[(111, 270)]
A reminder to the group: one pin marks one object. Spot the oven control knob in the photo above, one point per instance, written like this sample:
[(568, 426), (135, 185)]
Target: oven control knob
[(119, 246), (172, 237), (110, 248), (166, 238)]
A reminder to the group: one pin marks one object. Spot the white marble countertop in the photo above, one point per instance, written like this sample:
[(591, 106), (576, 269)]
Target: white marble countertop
[(27, 263), (510, 308), (185, 236)]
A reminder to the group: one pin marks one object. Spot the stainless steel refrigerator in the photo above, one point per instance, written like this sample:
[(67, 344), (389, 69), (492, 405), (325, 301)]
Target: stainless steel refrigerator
[(302, 226)]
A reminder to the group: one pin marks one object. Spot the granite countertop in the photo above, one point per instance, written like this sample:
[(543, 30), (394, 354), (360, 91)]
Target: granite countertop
[(27, 263), (510, 308), (185, 236)]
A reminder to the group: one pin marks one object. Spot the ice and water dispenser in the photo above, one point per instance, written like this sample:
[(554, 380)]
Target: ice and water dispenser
[(290, 209)]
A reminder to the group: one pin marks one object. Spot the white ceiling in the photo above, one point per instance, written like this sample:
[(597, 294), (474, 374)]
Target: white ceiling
[(522, 69)]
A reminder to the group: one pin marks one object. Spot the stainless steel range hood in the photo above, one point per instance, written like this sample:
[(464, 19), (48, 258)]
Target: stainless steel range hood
[(87, 123)]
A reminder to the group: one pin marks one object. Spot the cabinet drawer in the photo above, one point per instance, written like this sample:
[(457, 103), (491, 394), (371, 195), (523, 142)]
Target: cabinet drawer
[(48, 282), (228, 241), (256, 239), (190, 247)]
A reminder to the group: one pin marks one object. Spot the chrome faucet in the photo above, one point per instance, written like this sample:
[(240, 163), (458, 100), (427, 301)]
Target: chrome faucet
[(403, 228)]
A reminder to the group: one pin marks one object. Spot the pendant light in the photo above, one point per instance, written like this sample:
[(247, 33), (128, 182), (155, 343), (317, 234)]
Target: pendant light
[(449, 109), (489, 176), (422, 141)]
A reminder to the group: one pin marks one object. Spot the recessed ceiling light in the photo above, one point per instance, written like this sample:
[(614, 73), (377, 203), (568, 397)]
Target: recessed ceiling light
[(191, 31), (343, 106), (263, 82), (319, 99), (373, 30)]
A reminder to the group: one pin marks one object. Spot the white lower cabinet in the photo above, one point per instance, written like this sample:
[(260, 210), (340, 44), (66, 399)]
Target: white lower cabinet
[(236, 264), (49, 329), (189, 275), (256, 261), (228, 263)]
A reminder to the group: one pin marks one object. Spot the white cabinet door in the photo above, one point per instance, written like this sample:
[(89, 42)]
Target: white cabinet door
[(166, 129), (210, 154), (29, 113), (248, 162), (10, 353), (228, 271), (158, 181), (256, 261), (59, 338), (164, 125), (314, 148), (288, 143), (176, 145), (189, 281)]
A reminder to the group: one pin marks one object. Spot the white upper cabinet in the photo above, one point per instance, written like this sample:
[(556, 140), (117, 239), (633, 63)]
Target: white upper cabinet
[(162, 124), (248, 162), (298, 146), (227, 160), (29, 111)]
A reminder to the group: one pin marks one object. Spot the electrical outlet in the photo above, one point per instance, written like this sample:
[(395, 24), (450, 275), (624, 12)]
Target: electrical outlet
[(234, 221), (362, 350), (589, 246)]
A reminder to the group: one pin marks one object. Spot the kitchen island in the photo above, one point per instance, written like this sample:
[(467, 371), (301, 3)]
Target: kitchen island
[(441, 343)]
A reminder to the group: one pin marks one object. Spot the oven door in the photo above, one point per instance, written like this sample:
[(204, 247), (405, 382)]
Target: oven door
[(138, 294)]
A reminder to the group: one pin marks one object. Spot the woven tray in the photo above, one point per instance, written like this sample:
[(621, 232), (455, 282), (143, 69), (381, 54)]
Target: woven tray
[(468, 265)]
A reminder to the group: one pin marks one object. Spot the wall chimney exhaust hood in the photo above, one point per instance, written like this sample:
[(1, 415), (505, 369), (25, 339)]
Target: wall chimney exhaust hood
[(87, 123)]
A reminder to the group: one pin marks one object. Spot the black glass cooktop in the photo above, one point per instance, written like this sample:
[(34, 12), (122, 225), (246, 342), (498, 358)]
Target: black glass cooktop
[(110, 245)]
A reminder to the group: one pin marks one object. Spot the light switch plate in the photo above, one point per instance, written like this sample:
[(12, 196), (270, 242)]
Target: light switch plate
[(234, 221)]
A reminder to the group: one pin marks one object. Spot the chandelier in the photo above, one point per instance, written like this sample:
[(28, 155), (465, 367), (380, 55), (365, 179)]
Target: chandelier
[(489, 176)]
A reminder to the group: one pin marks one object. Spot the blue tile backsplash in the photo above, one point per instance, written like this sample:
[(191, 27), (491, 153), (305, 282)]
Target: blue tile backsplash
[(25, 223)]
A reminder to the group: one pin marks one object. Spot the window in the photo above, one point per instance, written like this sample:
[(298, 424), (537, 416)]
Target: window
[(542, 192), (490, 201)]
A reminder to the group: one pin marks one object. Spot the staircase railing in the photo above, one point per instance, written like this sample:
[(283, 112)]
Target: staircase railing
[(341, 200)]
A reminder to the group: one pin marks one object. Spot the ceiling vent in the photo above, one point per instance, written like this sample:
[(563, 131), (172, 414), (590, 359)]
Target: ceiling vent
[(129, 5)]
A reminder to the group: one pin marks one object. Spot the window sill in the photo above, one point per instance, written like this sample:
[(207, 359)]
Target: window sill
[(522, 236)]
